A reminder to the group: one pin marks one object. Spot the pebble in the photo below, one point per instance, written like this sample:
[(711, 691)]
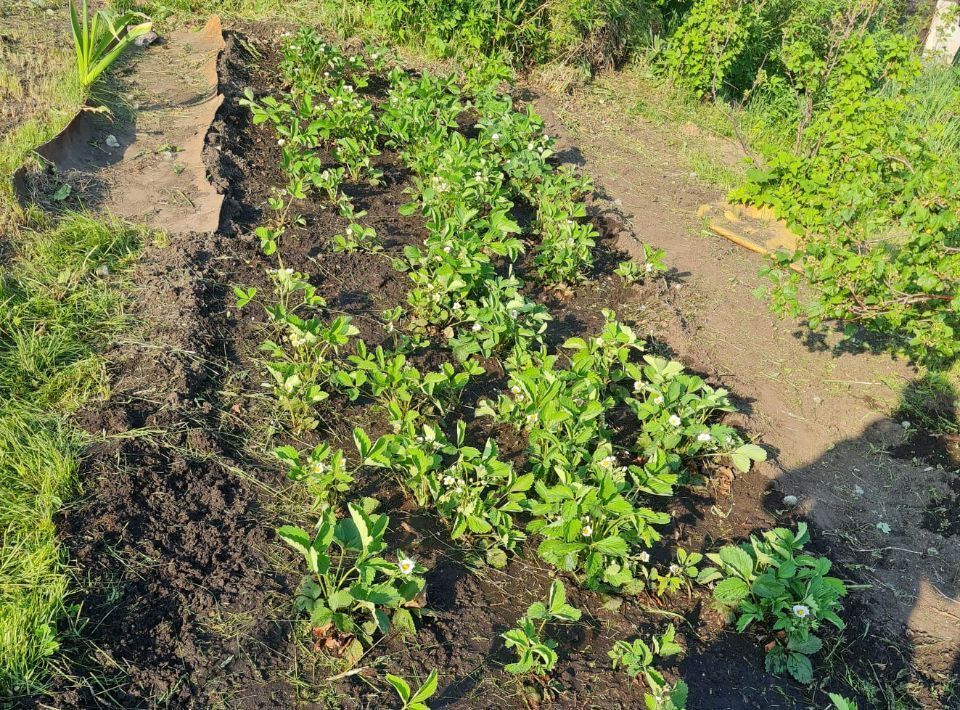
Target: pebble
[(790, 501), (146, 39), (112, 141)]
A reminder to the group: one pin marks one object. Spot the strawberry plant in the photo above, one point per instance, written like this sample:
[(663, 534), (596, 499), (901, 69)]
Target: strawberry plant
[(592, 530), (352, 591), (400, 387), (770, 580), (322, 470), (635, 272), (356, 237), (471, 490), (675, 410), (303, 357), (637, 657), (536, 655)]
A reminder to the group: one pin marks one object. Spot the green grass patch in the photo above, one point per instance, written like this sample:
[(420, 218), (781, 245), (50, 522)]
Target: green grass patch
[(59, 306)]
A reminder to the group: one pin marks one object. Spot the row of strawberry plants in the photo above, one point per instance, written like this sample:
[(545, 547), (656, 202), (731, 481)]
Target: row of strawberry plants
[(594, 487)]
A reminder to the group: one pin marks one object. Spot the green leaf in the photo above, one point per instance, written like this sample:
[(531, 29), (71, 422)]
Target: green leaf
[(428, 688), (340, 599), (296, 537), (496, 557), (615, 546), (362, 442), (841, 703), (382, 621), (738, 559), (403, 622), (63, 193), (360, 520), (807, 646), (731, 590), (746, 454), (401, 686), (767, 587), (800, 667)]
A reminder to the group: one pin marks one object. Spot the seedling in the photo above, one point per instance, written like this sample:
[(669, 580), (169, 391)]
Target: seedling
[(636, 658), (536, 655)]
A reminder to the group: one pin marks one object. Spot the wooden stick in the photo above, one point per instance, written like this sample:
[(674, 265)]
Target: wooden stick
[(745, 243)]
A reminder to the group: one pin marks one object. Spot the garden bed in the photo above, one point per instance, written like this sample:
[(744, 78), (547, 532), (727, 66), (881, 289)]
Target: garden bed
[(193, 598)]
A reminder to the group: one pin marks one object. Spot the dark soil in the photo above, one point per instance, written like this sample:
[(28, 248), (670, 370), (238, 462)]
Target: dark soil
[(188, 608)]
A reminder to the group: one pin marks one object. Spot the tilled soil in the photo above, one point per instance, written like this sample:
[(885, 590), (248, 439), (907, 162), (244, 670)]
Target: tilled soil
[(192, 594)]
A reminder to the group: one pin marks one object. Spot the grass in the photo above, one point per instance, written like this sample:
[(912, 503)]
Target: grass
[(40, 62), (931, 402), (59, 307)]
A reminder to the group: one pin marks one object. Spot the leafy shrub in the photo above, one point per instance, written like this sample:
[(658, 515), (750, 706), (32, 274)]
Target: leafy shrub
[(522, 32), (874, 196), (860, 145), (703, 50)]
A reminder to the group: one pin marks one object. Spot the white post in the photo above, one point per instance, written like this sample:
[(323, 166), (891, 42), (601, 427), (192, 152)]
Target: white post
[(943, 41)]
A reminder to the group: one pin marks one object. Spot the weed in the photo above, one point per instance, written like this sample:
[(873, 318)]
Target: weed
[(58, 312)]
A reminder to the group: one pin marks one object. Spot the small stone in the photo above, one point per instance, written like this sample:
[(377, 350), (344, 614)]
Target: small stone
[(146, 39), (103, 270), (790, 501), (112, 141)]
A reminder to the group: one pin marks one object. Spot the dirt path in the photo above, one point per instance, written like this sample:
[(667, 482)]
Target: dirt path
[(825, 414)]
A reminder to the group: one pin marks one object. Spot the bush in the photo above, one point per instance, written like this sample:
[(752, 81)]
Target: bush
[(860, 158), (522, 32)]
